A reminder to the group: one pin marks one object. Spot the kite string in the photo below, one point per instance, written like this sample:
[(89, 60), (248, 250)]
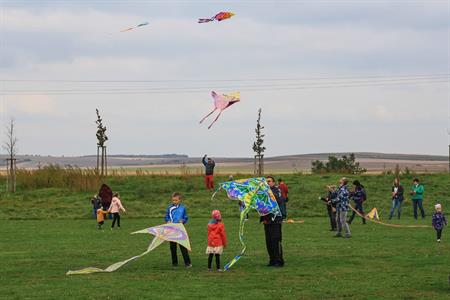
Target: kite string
[(386, 224)]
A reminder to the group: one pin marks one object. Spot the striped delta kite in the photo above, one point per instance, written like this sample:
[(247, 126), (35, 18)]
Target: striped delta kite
[(223, 15)]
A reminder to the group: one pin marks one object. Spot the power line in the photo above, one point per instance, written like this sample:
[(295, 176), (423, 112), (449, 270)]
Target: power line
[(262, 87), (229, 80)]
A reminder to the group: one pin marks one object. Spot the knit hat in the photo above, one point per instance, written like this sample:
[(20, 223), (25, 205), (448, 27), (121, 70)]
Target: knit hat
[(216, 215), (437, 206)]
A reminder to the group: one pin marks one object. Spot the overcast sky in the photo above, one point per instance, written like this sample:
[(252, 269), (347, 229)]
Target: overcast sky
[(266, 39)]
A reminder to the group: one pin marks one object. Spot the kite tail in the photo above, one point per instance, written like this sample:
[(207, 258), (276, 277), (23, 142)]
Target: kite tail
[(241, 239), (201, 121), (206, 20), (215, 120), (386, 224)]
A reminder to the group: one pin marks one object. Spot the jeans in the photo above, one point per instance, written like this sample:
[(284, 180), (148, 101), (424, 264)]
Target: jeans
[(341, 220), (418, 203), (396, 204), (359, 208)]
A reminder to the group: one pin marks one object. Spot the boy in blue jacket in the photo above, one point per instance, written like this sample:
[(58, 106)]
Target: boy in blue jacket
[(176, 213)]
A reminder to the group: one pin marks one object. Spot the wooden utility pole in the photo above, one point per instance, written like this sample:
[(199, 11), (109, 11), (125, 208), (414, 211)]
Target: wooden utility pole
[(102, 162), (10, 145), (258, 147)]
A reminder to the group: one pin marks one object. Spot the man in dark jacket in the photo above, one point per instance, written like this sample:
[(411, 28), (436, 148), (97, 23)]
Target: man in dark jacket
[(359, 196), (272, 229), (209, 172)]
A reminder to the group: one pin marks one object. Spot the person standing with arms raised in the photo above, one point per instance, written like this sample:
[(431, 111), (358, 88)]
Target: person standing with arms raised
[(209, 172)]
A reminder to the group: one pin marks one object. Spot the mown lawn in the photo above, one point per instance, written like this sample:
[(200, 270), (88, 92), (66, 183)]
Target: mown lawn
[(377, 262)]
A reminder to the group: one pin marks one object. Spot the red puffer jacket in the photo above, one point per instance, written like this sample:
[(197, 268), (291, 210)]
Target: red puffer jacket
[(216, 235)]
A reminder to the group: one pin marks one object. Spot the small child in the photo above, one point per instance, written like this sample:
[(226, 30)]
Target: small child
[(439, 221), (176, 213), (217, 239), (101, 217)]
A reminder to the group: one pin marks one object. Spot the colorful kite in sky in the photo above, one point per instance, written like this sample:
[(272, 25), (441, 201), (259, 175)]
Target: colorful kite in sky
[(171, 232), (222, 102), (254, 193), (223, 15), (134, 27)]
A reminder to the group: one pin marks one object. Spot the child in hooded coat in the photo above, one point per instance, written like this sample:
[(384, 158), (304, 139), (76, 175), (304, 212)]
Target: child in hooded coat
[(217, 239)]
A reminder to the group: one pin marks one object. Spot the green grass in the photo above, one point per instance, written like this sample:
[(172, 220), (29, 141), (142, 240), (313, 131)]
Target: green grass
[(148, 196), (377, 262), (47, 231)]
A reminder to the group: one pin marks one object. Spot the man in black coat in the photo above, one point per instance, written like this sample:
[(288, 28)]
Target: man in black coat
[(272, 229)]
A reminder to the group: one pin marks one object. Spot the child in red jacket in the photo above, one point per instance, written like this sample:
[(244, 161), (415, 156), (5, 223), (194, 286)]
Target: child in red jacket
[(217, 239)]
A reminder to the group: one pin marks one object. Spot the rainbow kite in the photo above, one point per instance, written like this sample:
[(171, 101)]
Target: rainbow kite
[(134, 27), (222, 102), (254, 193), (171, 232), (223, 15)]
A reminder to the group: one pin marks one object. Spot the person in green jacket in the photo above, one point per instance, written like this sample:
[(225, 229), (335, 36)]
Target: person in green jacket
[(417, 197)]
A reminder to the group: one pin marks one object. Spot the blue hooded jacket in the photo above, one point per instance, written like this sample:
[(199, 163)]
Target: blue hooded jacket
[(176, 213)]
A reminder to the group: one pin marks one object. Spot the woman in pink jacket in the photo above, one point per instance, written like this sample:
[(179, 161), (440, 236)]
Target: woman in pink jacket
[(116, 206)]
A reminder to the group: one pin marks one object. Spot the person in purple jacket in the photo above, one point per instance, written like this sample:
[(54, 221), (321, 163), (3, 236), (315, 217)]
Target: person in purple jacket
[(438, 221)]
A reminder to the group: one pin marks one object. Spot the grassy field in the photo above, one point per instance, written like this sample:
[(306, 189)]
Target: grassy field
[(377, 262), (47, 231), (148, 196)]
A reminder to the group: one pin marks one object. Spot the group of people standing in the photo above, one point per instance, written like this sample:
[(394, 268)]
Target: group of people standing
[(338, 205), (113, 210)]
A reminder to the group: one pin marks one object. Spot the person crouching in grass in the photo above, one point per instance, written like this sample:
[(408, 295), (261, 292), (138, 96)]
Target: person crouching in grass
[(176, 213)]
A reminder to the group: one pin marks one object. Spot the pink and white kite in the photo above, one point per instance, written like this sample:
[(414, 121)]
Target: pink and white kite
[(222, 102)]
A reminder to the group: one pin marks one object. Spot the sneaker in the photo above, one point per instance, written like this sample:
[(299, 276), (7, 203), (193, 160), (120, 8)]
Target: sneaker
[(278, 265), (209, 270), (347, 236), (439, 240), (338, 235), (188, 266), (219, 270)]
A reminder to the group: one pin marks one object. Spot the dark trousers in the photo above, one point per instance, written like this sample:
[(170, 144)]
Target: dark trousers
[(273, 243), (439, 233), (283, 209), (418, 203), (116, 217), (100, 224), (332, 216), (184, 252), (210, 258), (359, 208)]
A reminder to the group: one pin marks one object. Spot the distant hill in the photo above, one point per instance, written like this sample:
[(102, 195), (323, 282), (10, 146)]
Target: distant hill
[(302, 162)]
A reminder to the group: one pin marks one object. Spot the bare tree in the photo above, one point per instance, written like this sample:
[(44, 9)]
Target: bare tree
[(10, 146), (258, 147)]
